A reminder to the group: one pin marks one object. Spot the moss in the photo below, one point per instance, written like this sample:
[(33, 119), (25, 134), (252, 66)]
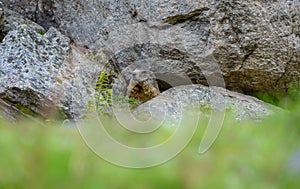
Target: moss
[(26, 110), (58, 80), (41, 32)]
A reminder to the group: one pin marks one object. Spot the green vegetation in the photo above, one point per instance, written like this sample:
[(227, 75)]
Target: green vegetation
[(104, 98), (285, 100), (245, 155), (130, 101), (25, 110)]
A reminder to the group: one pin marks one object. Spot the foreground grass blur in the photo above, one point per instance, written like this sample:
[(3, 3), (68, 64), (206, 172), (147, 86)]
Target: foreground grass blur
[(245, 155)]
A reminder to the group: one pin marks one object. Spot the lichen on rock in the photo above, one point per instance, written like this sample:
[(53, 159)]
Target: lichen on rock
[(30, 62)]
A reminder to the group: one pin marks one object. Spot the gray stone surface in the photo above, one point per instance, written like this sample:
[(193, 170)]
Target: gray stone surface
[(44, 74), (173, 102), (256, 44), (77, 78), (253, 45), (29, 63), (8, 111), (12, 20), (1, 13), (1, 20)]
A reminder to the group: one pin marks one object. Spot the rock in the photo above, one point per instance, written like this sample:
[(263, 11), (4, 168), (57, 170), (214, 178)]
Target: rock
[(199, 98), (1, 21), (9, 112), (12, 20), (29, 63), (43, 74), (77, 77), (1, 13), (255, 44), (37, 11)]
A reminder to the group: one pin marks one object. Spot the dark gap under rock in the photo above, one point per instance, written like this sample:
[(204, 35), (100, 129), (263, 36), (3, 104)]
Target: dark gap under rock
[(2, 35), (162, 85)]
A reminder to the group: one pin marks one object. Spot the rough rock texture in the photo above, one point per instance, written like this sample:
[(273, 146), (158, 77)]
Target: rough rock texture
[(12, 20), (29, 63), (1, 13), (1, 21), (77, 78), (38, 11), (9, 112), (253, 45), (256, 44), (42, 74), (173, 102)]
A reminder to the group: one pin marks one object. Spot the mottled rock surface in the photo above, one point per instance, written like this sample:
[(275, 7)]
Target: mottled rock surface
[(12, 20), (29, 63), (175, 101), (1, 21), (43, 73), (255, 44), (77, 78)]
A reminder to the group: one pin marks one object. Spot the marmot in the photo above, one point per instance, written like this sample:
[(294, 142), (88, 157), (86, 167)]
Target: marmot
[(142, 85)]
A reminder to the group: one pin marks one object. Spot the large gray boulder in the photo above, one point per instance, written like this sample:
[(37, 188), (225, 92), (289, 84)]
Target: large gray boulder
[(176, 101), (29, 63), (255, 44), (42, 73)]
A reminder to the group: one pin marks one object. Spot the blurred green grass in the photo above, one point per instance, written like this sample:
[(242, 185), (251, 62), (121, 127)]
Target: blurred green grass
[(245, 155)]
